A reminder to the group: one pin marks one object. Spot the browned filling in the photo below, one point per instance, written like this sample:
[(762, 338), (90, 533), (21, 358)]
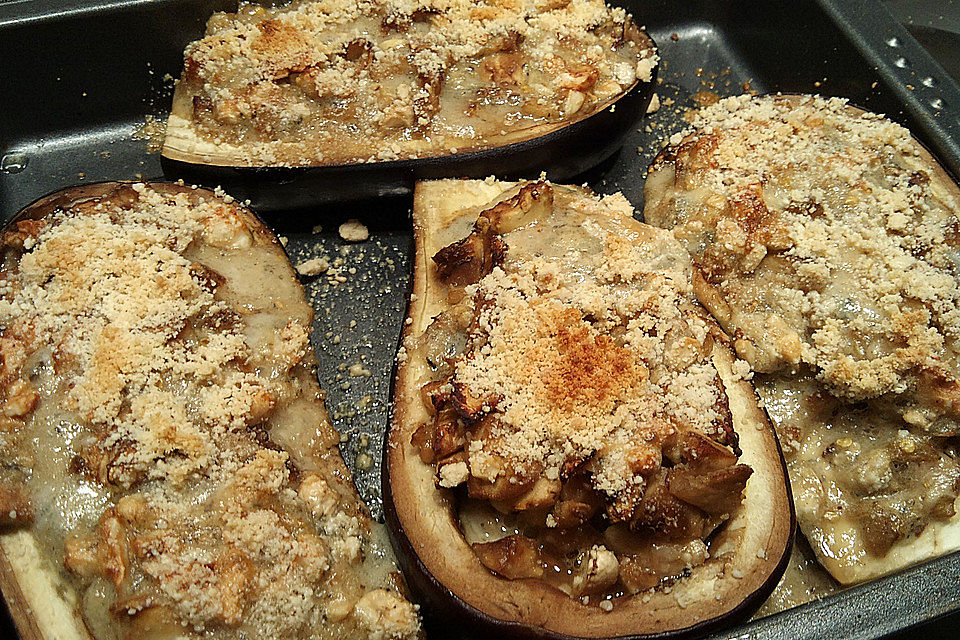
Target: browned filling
[(895, 482), (561, 523)]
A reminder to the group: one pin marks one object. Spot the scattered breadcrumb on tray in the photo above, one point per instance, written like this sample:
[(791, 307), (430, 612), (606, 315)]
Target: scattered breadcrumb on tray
[(654, 105), (312, 267), (354, 231)]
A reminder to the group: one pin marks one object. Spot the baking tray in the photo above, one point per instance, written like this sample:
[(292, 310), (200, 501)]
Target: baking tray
[(80, 79)]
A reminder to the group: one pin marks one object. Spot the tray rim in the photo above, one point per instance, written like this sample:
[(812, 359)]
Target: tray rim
[(930, 96)]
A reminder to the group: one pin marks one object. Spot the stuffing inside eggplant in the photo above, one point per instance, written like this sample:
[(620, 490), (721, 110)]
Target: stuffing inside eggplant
[(168, 467), (575, 414)]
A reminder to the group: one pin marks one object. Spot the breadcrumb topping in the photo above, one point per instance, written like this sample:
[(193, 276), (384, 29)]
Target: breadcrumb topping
[(865, 259), (586, 346), (825, 242), (564, 389)]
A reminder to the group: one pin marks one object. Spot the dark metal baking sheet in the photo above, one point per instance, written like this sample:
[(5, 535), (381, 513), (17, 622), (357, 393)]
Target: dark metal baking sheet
[(79, 79)]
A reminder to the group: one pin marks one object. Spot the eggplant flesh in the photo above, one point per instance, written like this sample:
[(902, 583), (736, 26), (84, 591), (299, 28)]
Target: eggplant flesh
[(748, 554)]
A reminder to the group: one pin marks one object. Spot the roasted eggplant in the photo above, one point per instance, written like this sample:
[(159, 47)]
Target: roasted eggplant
[(169, 469), (830, 250), (391, 92), (695, 531)]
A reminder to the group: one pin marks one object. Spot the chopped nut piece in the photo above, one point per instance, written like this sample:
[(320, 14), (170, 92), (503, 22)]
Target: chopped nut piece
[(452, 475), (21, 399), (386, 616), (315, 491), (598, 570), (80, 556)]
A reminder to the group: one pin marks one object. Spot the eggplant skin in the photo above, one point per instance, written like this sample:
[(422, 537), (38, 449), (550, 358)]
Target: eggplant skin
[(460, 598)]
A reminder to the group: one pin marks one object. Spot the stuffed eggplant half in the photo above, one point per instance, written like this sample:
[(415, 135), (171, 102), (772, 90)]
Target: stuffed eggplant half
[(574, 450), (346, 100), (168, 468), (826, 239)]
